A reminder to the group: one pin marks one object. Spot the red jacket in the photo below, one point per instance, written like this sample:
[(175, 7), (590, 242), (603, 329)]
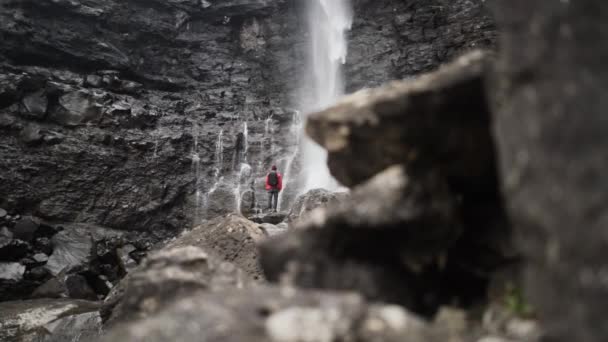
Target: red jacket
[(278, 186)]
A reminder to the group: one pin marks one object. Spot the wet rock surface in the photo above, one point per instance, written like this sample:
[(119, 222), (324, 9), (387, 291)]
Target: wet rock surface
[(49, 320), (313, 199), (272, 218), (63, 260)]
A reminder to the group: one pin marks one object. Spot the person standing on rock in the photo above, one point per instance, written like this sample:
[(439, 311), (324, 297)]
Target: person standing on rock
[(274, 184)]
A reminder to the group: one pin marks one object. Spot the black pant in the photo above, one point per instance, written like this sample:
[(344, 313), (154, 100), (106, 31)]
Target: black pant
[(273, 194)]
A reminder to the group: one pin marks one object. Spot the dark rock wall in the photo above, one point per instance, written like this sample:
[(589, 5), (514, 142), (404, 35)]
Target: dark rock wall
[(103, 102), (400, 39), (551, 129)]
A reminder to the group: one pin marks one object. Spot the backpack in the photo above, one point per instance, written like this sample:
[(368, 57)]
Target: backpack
[(273, 179)]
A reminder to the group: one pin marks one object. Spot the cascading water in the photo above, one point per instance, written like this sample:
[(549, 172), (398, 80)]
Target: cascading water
[(219, 162), (245, 140), (328, 22), (243, 178), (196, 164), (244, 171), (286, 164)]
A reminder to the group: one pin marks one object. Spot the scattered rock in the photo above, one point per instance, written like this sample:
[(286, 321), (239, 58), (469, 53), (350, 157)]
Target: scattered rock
[(38, 273), (5, 234), (35, 105), (26, 228), (44, 245), (77, 107), (11, 271), (124, 257), (94, 81), (40, 258), (75, 246), (3, 213), (13, 249), (66, 286), (274, 314), (72, 248), (31, 135), (313, 199), (165, 276)]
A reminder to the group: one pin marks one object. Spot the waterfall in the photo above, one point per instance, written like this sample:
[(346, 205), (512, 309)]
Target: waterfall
[(245, 170), (242, 178), (219, 150), (245, 140), (328, 22), (295, 131), (196, 164), (219, 162)]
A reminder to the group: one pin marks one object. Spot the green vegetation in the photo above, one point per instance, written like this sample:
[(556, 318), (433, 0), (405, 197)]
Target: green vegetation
[(516, 303)]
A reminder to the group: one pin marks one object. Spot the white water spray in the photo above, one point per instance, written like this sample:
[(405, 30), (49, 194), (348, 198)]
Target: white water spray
[(328, 21)]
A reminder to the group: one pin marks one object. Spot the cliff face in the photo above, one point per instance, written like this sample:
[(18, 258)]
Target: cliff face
[(104, 101), (127, 113), (393, 40)]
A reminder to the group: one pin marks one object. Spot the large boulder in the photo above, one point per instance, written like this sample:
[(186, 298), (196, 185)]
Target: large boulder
[(383, 241), (272, 314), (66, 285), (26, 228), (49, 320), (316, 198), (74, 247), (550, 96), (440, 119), (11, 272), (166, 276), (232, 237), (13, 249)]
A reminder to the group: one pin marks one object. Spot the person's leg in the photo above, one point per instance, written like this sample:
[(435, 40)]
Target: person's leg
[(276, 200), (269, 200)]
